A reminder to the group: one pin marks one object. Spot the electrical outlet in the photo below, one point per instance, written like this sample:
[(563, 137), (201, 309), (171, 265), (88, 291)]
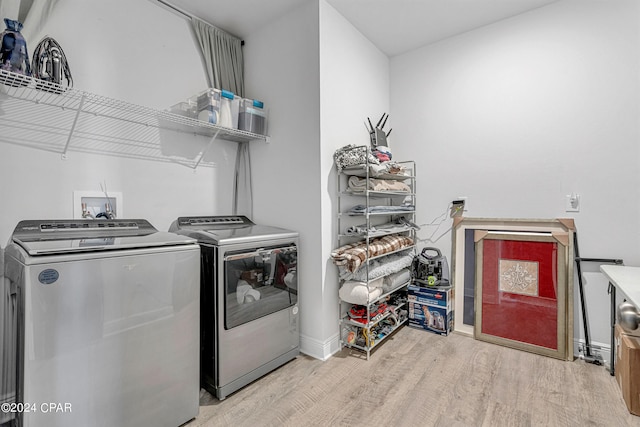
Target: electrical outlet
[(572, 202), (457, 207)]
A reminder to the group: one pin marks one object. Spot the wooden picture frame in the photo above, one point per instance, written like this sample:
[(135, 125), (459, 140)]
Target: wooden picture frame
[(521, 290), (463, 265)]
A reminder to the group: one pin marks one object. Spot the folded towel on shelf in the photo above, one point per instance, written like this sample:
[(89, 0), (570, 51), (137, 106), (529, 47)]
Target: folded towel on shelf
[(358, 230), (377, 230), (353, 255), (400, 225), (358, 292), (395, 185), (361, 209), (394, 280), (385, 170), (358, 184), (378, 267)]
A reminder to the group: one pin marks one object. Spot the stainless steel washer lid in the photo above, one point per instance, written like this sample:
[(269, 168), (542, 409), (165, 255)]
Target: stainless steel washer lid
[(46, 237), (228, 229)]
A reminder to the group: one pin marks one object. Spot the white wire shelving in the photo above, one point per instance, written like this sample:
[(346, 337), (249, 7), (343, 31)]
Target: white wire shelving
[(53, 118)]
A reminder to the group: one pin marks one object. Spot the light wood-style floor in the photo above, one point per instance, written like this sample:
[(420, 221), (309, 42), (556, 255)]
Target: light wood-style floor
[(421, 379)]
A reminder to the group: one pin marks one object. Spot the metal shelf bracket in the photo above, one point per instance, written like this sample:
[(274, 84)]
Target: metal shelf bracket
[(73, 127)]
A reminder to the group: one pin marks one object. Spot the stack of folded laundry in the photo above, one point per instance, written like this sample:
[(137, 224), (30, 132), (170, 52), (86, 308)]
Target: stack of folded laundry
[(357, 184), (382, 153)]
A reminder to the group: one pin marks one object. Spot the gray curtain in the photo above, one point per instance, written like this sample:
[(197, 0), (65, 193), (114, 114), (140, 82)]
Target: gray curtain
[(222, 55), (242, 187), (224, 64)]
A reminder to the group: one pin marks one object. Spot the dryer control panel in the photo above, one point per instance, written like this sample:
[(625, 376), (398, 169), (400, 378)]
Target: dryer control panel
[(209, 222), (35, 230)]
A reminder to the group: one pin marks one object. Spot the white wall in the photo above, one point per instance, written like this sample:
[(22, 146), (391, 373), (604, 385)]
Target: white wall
[(124, 53), (514, 115), (281, 69), (316, 73), (354, 85), (139, 53), (518, 114)]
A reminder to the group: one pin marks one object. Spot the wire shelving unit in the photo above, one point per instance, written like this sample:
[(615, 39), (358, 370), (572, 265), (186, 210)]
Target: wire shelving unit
[(50, 117)]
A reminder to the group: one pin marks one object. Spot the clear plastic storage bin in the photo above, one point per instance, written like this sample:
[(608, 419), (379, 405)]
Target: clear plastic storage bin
[(219, 107), (253, 116), (208, 106), (229, 109), (185, 109)]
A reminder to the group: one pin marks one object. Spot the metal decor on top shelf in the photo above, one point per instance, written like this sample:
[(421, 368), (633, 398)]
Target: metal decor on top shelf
[(50, 117)]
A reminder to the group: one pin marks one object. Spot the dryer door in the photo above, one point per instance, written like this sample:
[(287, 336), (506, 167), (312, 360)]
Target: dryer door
[(259, 282)]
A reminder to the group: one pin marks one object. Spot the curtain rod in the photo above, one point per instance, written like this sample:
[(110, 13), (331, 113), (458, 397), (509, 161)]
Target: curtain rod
[(190, 16)]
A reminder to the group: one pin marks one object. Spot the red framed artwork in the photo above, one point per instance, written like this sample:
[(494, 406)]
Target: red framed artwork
[(521, 290)]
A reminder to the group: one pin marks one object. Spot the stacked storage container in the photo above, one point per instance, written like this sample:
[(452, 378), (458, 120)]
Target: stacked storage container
[(253, 116), (208, 105), (224, 108)]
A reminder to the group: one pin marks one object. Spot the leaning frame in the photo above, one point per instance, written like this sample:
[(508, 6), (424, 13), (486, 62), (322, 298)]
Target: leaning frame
[(462, 224), (561, 241)]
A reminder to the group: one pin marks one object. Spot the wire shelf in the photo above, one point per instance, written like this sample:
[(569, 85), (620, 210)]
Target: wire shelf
[(50, 117)]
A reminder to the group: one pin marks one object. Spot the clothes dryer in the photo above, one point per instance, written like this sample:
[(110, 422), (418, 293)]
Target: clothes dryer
[(249, 299), (7, 374), (102, 325)]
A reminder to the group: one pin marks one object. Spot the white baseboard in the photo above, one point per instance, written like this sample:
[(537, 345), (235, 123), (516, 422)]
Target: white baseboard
[(321, 350), (598, 350)]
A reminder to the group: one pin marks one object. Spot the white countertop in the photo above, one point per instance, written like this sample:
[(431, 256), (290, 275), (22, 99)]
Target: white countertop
[(625, 278)]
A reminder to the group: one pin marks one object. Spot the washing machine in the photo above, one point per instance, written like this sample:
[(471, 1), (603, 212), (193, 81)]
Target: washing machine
[(101, 325), (249, 299)]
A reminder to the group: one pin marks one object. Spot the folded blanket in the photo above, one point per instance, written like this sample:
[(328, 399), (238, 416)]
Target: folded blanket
[(352, 154), (399, 225), (377, 230), (353, 255), (384, 170), (379, 267), (394, 280), (361, 209), (358, 184), (361, 169), (356, 292), (363, 293)]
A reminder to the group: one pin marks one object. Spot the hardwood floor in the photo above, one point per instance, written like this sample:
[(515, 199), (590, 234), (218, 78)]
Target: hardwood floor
[(422, 379)]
